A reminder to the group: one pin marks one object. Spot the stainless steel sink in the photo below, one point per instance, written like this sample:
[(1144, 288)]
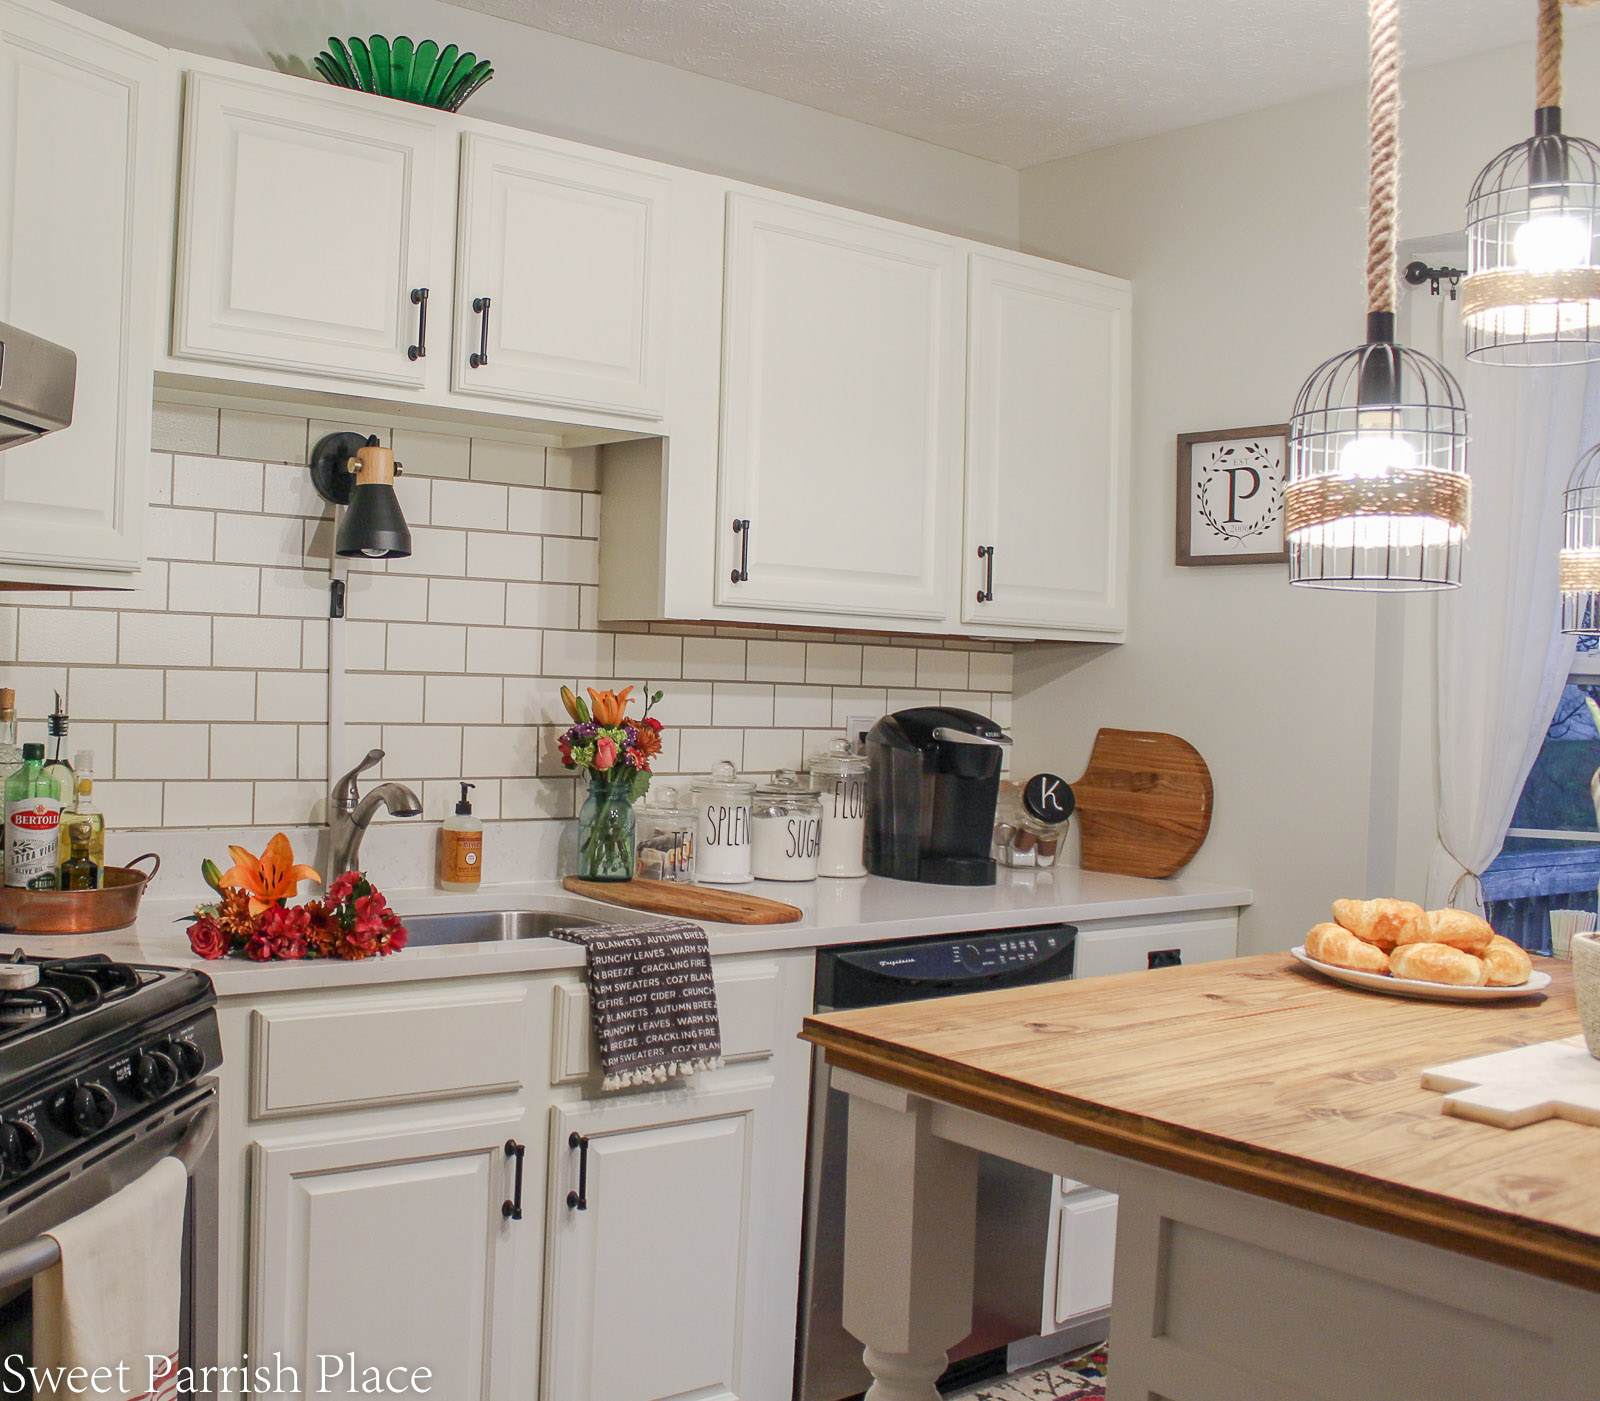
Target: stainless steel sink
[(490, 926)]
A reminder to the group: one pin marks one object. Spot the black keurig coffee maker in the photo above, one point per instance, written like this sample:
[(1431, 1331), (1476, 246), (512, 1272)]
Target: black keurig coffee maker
[(931, 795)]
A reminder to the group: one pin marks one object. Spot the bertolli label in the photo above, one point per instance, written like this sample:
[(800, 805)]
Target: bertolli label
[(33, 842)]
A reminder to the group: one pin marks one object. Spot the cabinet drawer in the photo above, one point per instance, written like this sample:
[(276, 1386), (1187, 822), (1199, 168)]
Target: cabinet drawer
[(1086, 1234), (385, 1048), (747, 1010), (1132, 947)]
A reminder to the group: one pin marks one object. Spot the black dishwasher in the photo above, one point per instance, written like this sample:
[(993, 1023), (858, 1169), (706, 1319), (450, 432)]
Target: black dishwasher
[(1013, 1201)]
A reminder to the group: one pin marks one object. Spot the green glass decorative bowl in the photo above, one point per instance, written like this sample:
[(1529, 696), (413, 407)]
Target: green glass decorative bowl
[(421, 73)]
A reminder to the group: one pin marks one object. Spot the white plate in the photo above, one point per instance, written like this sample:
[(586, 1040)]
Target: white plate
[(1410, 987)]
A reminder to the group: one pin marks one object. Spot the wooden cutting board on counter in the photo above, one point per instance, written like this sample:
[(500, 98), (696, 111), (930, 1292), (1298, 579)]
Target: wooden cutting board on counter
[(1144, 803), (680, 901)]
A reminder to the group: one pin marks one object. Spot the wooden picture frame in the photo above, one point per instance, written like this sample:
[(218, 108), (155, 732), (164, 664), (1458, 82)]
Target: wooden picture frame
[(1215, 525)]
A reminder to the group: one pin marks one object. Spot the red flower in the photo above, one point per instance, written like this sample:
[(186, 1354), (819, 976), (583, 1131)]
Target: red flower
[(322, 929), (259, 947), (652, 722), (638, 760), (344, 887), (207, 939), (286, 930)]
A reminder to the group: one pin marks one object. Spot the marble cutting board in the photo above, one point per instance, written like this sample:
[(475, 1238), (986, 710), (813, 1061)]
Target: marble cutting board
[(1547, 1080)]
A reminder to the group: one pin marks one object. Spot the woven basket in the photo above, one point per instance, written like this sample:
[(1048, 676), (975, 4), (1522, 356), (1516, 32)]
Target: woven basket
[(1586, 978)]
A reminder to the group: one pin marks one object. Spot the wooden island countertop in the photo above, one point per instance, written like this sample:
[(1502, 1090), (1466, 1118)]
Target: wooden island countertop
[(1260, 1075)]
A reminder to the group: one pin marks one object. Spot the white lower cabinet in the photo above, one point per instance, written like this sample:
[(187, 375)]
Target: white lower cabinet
[(389, 1249), (665, 1236)]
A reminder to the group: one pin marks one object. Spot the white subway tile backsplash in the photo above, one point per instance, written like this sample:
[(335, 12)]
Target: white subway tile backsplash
[(294, 593), (577, 469), (537, 797), (685, 703), (160, 479), (219, 482), (775, 661), (393, 598), (149, 593), (208, 804), (501, 651), (542, 605), (427, 647), (462, 700), (587, 657), (469, 505), (164, 639), (183, 428), (365, 646), (214, 588), (173, 532), (857, 700), (698, 750), (466, 601), (766, 751), (571, 561), (289, 491), (163, 751), (415, 495), (649, 656), (250, 751), (116, 693), (588, 609), (126, 805), (533, 700), (431, 454), (314, 649), (833, 664), (258, 539), (440, 795), (267, 437), (210, 695), (803, 707), (591, 514), (292, 695), (66, 635), (314, 752), (510, 750), (379, 698), (433, 552), (990, 671), (517, 463), (713, 659), (535, 511), (946, 670), (290, 803), (412, 752), (888, 666), (740, 704), (502, 556)]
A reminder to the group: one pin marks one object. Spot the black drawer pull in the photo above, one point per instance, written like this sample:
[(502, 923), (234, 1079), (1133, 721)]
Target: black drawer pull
[(419, 299), (986, 593), (480, 357), (511, 1208), (1166, 958), (579, 1200), (742, 530)]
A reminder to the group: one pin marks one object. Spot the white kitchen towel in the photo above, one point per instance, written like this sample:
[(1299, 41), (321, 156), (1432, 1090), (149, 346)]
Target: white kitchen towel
[(116, 1296)]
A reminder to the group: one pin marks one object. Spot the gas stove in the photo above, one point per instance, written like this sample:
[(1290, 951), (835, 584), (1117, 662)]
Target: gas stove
[(89, 1049)]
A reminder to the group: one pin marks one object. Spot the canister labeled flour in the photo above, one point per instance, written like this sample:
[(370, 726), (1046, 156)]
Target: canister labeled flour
[(840, 777)]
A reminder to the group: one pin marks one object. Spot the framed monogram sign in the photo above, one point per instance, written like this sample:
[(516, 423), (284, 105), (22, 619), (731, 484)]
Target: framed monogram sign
[(1230, 496)]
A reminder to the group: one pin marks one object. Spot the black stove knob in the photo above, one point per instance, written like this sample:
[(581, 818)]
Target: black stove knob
[(86, 1109), (154, 1075), (20, 1147), (187, 1058)]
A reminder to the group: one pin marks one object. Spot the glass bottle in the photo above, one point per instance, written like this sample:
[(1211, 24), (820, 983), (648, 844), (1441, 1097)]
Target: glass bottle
[(78, 871), (56, 724), (10, 749), (83, 809), (33, 823)]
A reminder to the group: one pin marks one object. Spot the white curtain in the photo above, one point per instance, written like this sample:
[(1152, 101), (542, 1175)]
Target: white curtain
[(1502, 659)]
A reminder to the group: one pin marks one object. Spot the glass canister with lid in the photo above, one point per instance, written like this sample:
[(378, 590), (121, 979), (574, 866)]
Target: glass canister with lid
[(786, 829), (722, 826), (666, 836), (839, 776)]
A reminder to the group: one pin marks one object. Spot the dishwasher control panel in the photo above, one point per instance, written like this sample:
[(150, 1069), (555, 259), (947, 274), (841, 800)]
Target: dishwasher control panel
[(866, 975)]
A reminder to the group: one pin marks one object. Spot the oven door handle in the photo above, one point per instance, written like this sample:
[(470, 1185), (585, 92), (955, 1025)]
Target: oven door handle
[(21, 1263)]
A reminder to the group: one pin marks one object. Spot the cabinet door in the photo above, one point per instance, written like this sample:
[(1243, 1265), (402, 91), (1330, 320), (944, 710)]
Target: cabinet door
[(1047, 446), (569, 253), (393, 1246), (1086, 1248), (841, 413), (647, 1288), (81, 140), (305, 225), (1133, 947)]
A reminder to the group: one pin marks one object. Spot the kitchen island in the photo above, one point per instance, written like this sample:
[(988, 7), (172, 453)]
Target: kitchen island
[(1298, 1217)]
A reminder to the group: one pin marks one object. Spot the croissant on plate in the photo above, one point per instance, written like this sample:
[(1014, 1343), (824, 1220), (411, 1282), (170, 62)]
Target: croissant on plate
[(1331, 944), (1383, 923)]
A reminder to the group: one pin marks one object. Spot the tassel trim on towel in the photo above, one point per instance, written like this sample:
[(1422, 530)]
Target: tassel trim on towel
[(658, 1074)]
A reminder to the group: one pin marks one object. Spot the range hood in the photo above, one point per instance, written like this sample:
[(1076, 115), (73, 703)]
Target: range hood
[(37, 378)]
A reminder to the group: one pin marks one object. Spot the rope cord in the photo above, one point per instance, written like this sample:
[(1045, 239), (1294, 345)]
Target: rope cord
[(1383, 117), (1547, 79)]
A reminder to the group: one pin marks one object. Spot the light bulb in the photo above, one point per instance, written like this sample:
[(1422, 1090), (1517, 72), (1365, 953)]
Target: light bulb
[(375, 554), (1551, 239), (1375, 455)]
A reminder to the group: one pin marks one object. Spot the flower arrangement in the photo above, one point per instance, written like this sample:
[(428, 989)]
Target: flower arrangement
[(252, 915), (615, 752)]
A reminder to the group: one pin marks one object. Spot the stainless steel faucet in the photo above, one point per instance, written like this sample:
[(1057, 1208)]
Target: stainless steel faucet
[(349, 813)]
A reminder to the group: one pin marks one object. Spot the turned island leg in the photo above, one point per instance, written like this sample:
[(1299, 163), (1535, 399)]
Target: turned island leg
[(910, 1218)]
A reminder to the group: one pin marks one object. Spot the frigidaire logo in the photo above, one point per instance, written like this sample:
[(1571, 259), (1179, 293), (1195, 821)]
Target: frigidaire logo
[(40, 819)]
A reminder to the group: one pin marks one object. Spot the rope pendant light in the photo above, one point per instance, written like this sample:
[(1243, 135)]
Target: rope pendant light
[(1378, 495), (1532, 291)]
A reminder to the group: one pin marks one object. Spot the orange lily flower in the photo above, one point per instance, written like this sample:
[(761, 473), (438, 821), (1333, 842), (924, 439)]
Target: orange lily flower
[(270, 878), (608, 707)]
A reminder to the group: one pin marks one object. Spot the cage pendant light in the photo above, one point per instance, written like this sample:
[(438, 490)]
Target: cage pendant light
[(1580, 550), (1531, 295), (1378, 495)]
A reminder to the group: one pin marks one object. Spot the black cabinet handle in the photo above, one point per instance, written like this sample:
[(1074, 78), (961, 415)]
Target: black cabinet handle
[(419, 299), (480, 357), (579, 1200), (742, 530), (1166, 958), (986, 593), (511, 1208)]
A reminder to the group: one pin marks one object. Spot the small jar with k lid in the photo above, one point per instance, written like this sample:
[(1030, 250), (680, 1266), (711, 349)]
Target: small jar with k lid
[(722, 807), (785, 829)]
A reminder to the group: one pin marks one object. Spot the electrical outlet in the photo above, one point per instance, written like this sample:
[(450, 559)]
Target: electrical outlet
[(856, 727)]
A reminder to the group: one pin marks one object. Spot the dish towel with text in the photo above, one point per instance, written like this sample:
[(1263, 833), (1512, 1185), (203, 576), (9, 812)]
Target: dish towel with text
[(116, 1295), (652, 1000)]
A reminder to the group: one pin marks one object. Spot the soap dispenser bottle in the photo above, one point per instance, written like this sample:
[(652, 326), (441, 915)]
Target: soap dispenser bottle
[(461, 847)]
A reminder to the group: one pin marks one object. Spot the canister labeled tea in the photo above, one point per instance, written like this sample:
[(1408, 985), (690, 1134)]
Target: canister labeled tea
[(722, 805)]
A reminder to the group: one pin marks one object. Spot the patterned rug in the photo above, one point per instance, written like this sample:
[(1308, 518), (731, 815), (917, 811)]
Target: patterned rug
[(1081, 1377)]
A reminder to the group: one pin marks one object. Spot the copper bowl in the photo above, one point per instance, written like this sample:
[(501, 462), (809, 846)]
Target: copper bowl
[(113, 906)]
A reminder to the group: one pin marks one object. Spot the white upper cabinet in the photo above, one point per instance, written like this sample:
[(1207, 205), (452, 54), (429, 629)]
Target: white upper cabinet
[(304, 228), (82, 154), (562, 276), (842, 397), (1047, 448)]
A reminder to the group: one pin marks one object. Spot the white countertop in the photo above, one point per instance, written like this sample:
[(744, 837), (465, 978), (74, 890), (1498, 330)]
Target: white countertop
[(836, 912)]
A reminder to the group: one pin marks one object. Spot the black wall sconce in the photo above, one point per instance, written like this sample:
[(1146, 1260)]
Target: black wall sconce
[(357, 472)]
